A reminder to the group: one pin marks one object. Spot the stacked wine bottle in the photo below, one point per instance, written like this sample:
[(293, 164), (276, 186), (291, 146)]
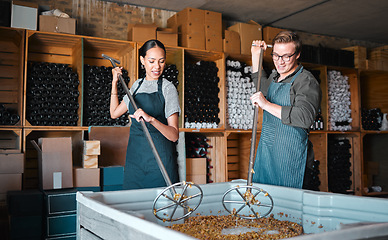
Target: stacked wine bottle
[(313, 175), (371, 119), (240, 88), (339, 102), (339, 165), (170, 73), (197, 146), (8, 116), (97, 90), (52, 94), (201, 95)]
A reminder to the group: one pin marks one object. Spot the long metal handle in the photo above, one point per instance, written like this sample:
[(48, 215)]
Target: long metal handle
[(254, 128), (142, 122)]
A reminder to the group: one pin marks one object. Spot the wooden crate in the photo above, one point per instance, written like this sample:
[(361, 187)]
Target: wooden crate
[(10, 140), (378, 59), (123, 51), (360, 56), (216, 156), (11, 70), (374, 90), (30, 176), (319, 141), (238, 152), (55, 48), (192, 56)]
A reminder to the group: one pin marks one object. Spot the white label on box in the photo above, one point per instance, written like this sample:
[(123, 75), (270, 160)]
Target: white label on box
[(57, 180)]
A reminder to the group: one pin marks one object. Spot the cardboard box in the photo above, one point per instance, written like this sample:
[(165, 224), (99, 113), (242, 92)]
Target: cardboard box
[(232, 42), (168, 36), (172, 22), (24, 15), (57, 24), (197, 179), (55, 163), (141, 32), (92, 147), (196, 166), (90, 161), (10, 182), (269, 33), (12, 163), (86, 177), (213, 31), (191, 22), (248, 32)]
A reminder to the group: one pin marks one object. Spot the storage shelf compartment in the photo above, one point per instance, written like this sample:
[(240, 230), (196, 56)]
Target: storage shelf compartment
[(375, 164), (215, 154), (11, 75), (97, 79), (355, 102), (238, 151), (10, 140), (344, 158), (30, 176), (59, 49), (319, 141), (239, 117), (192, 57), (374, 91)]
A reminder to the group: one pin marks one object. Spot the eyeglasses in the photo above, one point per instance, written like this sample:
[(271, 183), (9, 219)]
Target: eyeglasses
[(285, 57)]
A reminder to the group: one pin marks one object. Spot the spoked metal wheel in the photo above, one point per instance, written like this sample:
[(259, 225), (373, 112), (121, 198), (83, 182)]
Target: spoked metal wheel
[(177, 201), (247, 202)]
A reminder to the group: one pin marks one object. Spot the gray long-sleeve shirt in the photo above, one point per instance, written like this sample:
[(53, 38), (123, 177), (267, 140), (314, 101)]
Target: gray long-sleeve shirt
[(305, 97)]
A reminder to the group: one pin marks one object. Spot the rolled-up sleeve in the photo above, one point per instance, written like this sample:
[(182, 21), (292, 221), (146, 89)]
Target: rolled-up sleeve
[(305, 96)]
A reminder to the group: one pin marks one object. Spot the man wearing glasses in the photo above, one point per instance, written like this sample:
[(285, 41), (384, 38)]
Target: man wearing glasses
[(290, 98)]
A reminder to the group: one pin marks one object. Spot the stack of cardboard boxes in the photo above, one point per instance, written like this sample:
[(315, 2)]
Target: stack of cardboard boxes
[(198, 29), (89, 174)]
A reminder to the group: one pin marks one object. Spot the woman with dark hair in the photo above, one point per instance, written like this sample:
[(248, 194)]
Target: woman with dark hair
[(158, 104)]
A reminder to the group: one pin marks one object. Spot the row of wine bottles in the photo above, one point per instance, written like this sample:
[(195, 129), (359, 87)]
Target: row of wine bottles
[(201, 95), (371, 119), (52, 94), (339, 101), (97, 91), (313, 182), (197, 146), (170, 73), (240, 88), (8, 116), (339, 164)]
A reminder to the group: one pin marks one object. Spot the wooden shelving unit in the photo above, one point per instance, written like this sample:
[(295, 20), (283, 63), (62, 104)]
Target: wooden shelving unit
[(230, 152)]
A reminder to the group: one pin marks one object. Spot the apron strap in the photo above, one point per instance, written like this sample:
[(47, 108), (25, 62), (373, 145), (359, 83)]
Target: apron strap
[(138, 86)]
